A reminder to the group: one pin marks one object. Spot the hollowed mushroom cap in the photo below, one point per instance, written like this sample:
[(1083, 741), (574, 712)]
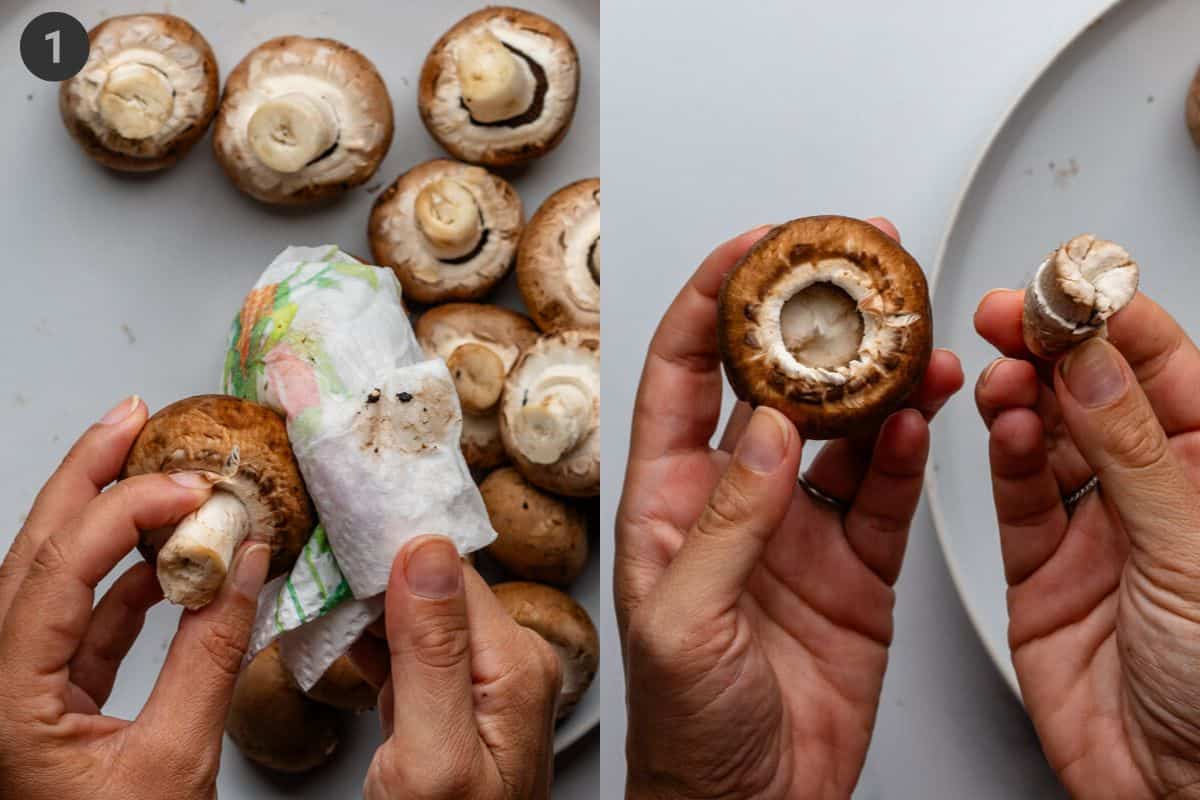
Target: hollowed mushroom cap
[(827, 320), (448, 230), (518, 95), (539, 537), (274, 724), (146, 95), (1193, 109), (343, 686), (562, 622), (302, 120), (558, 262), (480, 344), (243, 448), (550, 413)]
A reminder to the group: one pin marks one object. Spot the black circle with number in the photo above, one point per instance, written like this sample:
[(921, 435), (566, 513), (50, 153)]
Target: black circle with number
[(54, 46)]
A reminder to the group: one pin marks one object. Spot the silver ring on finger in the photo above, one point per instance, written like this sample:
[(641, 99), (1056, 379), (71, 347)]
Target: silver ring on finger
[(839, 505), (1070, 501)]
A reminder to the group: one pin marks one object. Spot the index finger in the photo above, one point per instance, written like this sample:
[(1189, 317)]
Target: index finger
[(683, 362)]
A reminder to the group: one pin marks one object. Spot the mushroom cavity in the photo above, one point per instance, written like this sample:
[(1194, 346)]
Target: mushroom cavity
[(1074, 292), (826, 319), (500, 87), (563, 623), (302, 120), (558, 261), (539, 536), (1193, 109), (258, 493), (479, 344), (448, 230), (146, 95), (550, 413)]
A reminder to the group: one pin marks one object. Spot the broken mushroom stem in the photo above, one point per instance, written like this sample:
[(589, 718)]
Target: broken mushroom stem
[(478, 376), (1074, 292), (448, 216), (496, 85), (289, 132), (554, 419), (193, 563), (137, 100)]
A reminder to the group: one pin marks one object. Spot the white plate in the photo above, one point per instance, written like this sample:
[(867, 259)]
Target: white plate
[(1098, 144), (116, 284)]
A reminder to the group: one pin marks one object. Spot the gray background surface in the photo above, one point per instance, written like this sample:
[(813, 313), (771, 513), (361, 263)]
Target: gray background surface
[(718, 117)]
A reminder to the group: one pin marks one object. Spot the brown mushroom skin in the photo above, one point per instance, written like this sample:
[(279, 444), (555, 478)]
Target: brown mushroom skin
[(901, 284), (431, 72), (181, 437), (542, 249), (181, 30), (274, 724), (1193, 109), (343, 686), (540, 537), (562, 622)]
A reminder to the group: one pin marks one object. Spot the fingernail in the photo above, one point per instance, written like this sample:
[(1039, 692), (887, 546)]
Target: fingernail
[(191, 480), (987, 373), (250, 570), (1093, 374), (764, 443), (433, 570), (121, 411)]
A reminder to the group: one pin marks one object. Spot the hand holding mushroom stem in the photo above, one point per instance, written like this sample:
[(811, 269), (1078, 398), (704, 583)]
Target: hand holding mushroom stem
[(448, 215), (496, 85), (137, 100), (193, 564), (289, 132)]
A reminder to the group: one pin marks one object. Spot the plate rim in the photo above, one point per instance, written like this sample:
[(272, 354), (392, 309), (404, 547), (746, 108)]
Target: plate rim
[(1001, 659)]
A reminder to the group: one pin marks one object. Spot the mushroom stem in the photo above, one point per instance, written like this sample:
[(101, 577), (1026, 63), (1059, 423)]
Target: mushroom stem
[(136, 101), (554, 423), (193, 563), (289, 132), (495, 84), (447, 214), (478, 376), (1074, 292)]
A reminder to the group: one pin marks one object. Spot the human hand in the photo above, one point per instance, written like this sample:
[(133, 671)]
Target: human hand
[(59, 656), (1103, 599), (755, 619), (470, 693)]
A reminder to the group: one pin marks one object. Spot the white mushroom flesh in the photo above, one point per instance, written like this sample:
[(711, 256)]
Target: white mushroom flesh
[(478, 375), (449, 218), (582, 255), (140, 88), (496, 84), (193, 563), (821, 326), (555, 411), (289, 132), (480, 429)]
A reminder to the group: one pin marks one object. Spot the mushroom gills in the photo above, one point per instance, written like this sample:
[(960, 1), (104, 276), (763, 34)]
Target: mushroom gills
[(450, 219), (500, 85), (292, 131), (553, 419), (137, 100), (822, 326), (593, 259), (193, 563), (478, 374)]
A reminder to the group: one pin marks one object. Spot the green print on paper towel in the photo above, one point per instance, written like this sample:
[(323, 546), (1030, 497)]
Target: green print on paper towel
[(322, 589)]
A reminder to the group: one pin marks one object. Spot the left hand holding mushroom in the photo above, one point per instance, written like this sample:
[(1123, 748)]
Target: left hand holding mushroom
[(1103, 601), (751, 612), (59, 656)]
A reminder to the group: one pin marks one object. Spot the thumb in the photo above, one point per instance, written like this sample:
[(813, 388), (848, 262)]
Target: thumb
[(195, 687), (748, 504), (1118, 434)]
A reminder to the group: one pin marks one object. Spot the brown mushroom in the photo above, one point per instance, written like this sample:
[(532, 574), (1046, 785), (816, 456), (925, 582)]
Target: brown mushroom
[(558, 262), (550, 413), (539, 537), (146, 95), (1074, 292), (1193, 109), (258, 494), (274, 724), (448, 230), (827, 320), (479, 344), (500, 87), (562, 622), (302, 120), (343, 686)]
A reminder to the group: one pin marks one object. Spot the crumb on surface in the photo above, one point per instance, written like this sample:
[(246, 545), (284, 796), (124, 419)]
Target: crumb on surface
[(125, 329)]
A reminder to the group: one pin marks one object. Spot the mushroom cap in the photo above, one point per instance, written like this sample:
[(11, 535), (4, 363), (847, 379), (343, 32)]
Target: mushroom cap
[(397, 241), (544, 47), (553, 260), (173, 48), (540, 537), (336, 73), (557, 357), (274, 724), (562, 622), (866, 285), (1193, 109), (243, 448), (443, 329), (343, 686)]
